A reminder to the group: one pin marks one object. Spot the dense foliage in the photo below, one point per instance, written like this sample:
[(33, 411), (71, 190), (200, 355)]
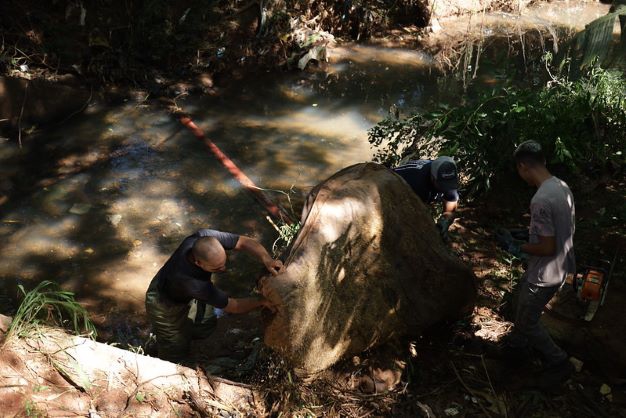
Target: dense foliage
[(581, 123), (134, 39)]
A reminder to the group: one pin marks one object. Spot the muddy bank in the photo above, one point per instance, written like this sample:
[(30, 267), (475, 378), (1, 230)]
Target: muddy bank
[(28, 103), (458, 36), (149, 40)]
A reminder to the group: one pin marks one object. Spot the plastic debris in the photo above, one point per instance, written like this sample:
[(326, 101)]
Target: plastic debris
[(80, 208), (578, 365), (218, 312), (451, 412), (114, 219)]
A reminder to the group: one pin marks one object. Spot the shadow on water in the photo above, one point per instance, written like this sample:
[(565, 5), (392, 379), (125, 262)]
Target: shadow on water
[(99, 203)]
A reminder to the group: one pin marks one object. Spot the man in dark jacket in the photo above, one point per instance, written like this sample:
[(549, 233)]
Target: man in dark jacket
[(434, 181), (184, 282)]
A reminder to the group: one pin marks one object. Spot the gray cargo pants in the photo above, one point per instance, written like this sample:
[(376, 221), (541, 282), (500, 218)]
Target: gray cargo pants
[(528, 330)]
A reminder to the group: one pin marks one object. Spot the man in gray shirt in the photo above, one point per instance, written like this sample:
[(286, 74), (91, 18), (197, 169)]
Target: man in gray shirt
[(551, 258)]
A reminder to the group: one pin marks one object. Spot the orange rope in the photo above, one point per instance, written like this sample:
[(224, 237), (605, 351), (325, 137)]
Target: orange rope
[(276, 211)]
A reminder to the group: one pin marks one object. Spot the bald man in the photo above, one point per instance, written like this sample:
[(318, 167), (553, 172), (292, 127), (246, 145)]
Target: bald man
[(177, 296)]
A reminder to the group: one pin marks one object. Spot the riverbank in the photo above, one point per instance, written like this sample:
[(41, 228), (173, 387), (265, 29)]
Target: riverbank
[(38, 94)]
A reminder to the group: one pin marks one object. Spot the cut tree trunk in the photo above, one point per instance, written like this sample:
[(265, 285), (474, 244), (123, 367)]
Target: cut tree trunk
[(59, 375), (368, 264)]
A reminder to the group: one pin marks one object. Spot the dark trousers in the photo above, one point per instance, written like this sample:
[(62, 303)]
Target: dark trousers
[(172, 326), (528, 330)]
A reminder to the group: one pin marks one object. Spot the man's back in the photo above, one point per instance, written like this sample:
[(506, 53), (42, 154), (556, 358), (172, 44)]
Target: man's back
[(552, 214), (418, 173)]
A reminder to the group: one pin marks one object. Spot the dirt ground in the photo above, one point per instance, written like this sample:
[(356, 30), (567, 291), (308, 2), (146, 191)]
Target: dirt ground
[(450, 371), (454, 370)]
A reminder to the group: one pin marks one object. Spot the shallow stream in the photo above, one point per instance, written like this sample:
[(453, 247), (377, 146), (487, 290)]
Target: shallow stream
[(99, 203)]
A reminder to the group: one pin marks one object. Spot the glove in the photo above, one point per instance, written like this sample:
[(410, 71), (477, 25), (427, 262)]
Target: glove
[(443, 224), (520, 234), (508, 243)]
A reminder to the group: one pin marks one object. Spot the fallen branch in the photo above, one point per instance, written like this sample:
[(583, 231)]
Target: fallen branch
[(19, 120), (470, 391), (493, 391)]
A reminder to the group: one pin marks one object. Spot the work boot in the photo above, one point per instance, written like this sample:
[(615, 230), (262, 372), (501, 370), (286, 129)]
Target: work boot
[(553, 376), (515, 357), (550, 379)]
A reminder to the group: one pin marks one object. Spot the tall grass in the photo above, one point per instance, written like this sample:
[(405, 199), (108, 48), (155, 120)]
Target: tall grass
[(47, 304)]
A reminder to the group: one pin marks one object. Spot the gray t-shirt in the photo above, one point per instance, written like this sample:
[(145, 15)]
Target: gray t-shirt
[(552, 215)]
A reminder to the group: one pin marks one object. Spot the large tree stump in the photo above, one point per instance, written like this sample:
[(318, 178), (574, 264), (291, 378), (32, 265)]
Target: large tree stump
[(60, 375), (368, 264)]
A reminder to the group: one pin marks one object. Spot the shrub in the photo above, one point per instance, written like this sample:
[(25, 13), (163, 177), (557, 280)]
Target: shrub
[(580, 123)]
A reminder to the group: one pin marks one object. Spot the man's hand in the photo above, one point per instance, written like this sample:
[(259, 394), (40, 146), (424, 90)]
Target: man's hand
[(269, 305), (273, 266), (508, 243), (254, 248)]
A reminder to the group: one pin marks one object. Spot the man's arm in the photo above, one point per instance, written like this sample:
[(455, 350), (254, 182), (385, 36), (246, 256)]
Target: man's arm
[(542, 226), (546, 247), (245, 305), (252, 247), (448, 209)]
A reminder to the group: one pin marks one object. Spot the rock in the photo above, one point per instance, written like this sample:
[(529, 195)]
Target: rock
[(80, 208), (28, 102), (367, 265), (114, 219), (578, 365)]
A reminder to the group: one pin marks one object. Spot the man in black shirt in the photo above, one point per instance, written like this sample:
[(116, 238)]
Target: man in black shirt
[(186, 278), (434, 180)]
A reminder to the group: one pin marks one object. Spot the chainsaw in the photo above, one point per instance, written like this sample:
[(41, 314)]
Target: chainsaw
[(591, 285)]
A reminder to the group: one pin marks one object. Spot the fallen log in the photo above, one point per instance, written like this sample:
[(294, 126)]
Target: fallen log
[(54, 372), (367, 265)]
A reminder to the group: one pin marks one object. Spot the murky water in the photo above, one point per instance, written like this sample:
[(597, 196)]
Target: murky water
[(99, 203)]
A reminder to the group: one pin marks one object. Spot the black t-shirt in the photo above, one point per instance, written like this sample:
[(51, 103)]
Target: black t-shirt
[(417, 174), (181, 281)]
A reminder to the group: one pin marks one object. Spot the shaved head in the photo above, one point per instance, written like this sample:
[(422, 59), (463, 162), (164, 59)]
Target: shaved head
[(209, 250)]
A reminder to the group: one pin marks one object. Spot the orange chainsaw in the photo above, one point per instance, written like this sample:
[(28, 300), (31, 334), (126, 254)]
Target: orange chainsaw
[(591, 285)]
